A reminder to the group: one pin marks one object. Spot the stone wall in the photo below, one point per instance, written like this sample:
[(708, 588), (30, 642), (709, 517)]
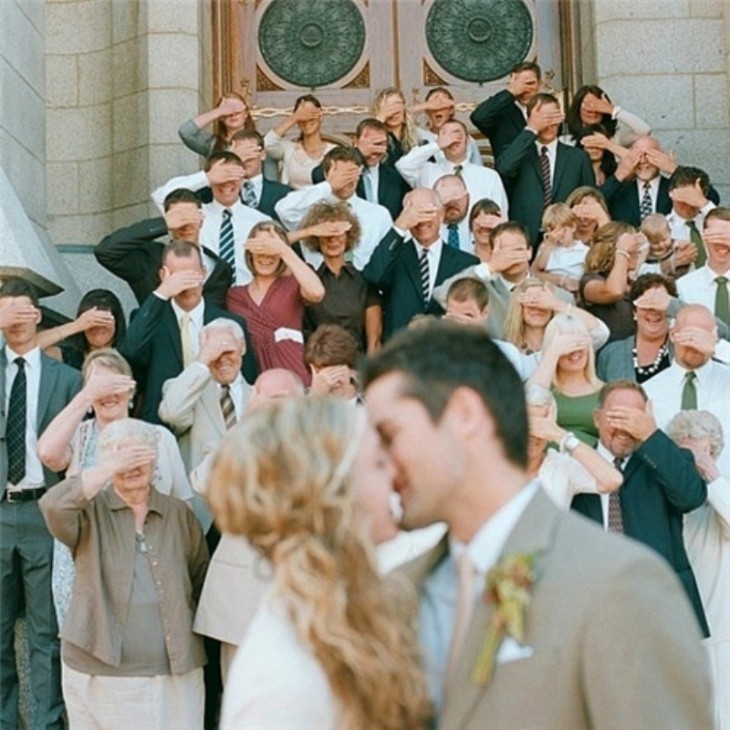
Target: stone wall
[(667, 61)]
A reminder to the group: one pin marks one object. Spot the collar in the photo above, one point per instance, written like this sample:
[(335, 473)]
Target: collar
[(551, 146), (434, 248), (701, 372), (196, 313), (347, 268), (653, 184), (710, 274), (609, 456), (32, 357), (257, 180), (486, 546), (155, 502), (218, 208)]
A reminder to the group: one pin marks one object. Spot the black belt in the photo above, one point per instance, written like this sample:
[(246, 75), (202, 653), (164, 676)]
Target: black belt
[(24, 495)]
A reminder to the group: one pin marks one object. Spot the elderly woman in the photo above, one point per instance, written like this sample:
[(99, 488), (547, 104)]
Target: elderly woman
[(130, 658), (648, 351), (298, 158), (349, 300), (610, 268), (273, 303), (707, 538), (329, 646), (567, 368), (532, 306), (572, 469), (70, 444)]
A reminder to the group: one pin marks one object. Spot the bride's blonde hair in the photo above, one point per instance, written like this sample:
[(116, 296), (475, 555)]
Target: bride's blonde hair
[(283, 478)]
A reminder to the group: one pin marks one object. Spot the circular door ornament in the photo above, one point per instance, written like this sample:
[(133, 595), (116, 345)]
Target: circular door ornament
[(311, 43), (478, 40)]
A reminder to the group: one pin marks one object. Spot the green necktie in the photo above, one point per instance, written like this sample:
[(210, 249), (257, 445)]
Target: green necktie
[(458, 169), (722, 302), (689, 392), (696, 238)]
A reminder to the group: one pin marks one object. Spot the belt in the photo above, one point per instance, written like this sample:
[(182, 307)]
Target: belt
[(24, 495)]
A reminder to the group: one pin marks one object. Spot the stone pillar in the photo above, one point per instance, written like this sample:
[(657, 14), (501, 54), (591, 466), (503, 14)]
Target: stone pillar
[(667, 61)]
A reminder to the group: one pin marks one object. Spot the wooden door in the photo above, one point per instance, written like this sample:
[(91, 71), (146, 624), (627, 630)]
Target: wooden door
[(343, 51)]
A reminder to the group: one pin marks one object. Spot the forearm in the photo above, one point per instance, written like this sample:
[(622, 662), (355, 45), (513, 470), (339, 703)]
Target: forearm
[(54, 445), (608, 478), (51, 337), (373, 328), (310, 285), (411, 164), (62, 507), (292, 208), (545, 371), (192, 182)]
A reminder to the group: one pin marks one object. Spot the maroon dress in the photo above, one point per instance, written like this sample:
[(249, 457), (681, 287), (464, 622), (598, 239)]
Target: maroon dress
[(282, 308)]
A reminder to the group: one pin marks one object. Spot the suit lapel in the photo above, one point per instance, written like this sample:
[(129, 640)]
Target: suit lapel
[(49, 376), (560, 164), (413, 266), (171, 328), (533, 533)]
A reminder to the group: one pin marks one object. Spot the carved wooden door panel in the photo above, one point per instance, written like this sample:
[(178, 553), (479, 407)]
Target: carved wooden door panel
[(343, 51)]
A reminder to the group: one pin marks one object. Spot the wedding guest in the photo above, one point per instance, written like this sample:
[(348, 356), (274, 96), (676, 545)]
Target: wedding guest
[(230, 115), (590, 210), (330, 635), (129, 653), (593, 139), (390, 108)]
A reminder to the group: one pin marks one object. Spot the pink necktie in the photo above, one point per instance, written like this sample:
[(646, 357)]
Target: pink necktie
[(464, 608)]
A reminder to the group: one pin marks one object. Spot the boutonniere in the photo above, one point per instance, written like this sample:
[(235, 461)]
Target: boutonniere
[(507, 588)]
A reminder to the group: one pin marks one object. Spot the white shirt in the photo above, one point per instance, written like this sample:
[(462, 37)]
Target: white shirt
[(439, 591), (653, 191), (699, 287), (371, 179), (434, 259), (481, 182), (610, 458), (567, 260), (713, 394), (678, 225), (240, 392), (34, 477), (465, 240), (375, 220), (195, 323), (243, 218), (258, 187), (552, 152)]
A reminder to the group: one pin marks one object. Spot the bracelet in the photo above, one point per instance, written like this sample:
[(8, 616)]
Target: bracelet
[(569, 443), (623, 253), (568, 310)]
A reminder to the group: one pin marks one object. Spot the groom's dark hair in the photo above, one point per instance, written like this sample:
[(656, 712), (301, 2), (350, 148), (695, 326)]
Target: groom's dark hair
[(439, 358)]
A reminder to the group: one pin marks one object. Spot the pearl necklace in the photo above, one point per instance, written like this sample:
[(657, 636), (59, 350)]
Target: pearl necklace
[(653, 367)]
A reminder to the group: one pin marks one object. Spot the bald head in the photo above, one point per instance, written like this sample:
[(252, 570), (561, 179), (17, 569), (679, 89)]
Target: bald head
[(274, 384), (695, 315), (694, 336)]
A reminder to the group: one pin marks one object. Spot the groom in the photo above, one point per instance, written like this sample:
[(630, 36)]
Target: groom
[(610, 639)]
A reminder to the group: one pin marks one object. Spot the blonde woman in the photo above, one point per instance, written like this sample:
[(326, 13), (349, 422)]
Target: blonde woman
[(568, 369), (390, 108), (329, 647)]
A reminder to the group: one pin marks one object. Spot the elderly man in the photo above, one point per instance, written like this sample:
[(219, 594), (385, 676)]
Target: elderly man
[(425, 164), (693, 380), (408, 269)]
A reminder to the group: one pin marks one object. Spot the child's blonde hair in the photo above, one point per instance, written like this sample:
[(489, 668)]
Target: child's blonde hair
[(655, 227), (558, 215)]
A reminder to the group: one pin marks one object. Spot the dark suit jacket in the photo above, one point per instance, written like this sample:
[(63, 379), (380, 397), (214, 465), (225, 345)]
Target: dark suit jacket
[(499, 119), (134, 255), (394, 268), (391, 188), (271, 193), (520, 165), (153, 347), (59, 384), (624, 201), (661, 484)]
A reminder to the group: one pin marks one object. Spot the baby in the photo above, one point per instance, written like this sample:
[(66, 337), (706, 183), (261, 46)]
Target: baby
[(667, 257)]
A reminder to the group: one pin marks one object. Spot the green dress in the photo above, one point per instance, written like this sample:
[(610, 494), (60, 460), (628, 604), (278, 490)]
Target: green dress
[(575, 413)]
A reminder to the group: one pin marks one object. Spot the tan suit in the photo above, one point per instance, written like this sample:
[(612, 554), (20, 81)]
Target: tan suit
[(615, 643)]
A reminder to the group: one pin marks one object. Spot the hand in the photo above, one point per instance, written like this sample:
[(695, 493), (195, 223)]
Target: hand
[(704, 462), (14, 311), (691, 195), (102, 384), (665, 161), (656, 298), (263, 245), (592, 103), (230, 105), (213, 343), (182, 216), (539, 297), (332, 379), (626, 169), (565, 343), (412, 215), (180, 281), (126, 457), (590, 209), (247, 149), (521, 83), (306, 113), (93, 318), (450, 136), (569, 284), (342, 175), (328, 229), (597, 140), (545, 428), (637, 422), (696, 338), (505, 258), (685, 253), (629, 242), (716, 237), (544, 116), (391, 108), (223, 172), (370, 149)]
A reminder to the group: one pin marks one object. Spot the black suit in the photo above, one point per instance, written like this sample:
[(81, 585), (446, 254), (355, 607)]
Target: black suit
[(519, 165), (499, 120), (271, 193), (153, 347), (134, 255), (395, 269), (660, 485), (391, 188)]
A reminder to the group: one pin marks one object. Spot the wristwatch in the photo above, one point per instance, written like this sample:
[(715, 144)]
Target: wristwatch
[(569, 443)]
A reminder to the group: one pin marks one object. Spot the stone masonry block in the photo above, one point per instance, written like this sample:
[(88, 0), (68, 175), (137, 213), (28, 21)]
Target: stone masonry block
[(95, 185), (62, 81), (95, 77), (183, 73), (62, 184), (79, 134), (78, 27), (711, 102)]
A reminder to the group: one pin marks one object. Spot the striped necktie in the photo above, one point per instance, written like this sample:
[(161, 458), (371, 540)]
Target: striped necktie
[(615, 518), (646, 208), (547, 189), (722, 301), (689, 392), (16, 425), (227, 408), (425, 277), (249, 195), (226, 249)]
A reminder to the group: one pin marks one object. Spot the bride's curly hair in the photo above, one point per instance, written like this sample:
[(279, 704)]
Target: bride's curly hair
[(282, 478)]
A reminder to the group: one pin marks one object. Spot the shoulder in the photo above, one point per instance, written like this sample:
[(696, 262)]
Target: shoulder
[(61, 370)]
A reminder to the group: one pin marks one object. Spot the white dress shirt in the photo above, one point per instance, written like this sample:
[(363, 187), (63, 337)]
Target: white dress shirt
[(34, 477), (240, 393), (375, 220), (713, 394), (434, 260), (195, 323), (567, 260), (481, 182), (439, 591), (678, 225), (610, 458), (653, 191), (699, 287), (466, 242)]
